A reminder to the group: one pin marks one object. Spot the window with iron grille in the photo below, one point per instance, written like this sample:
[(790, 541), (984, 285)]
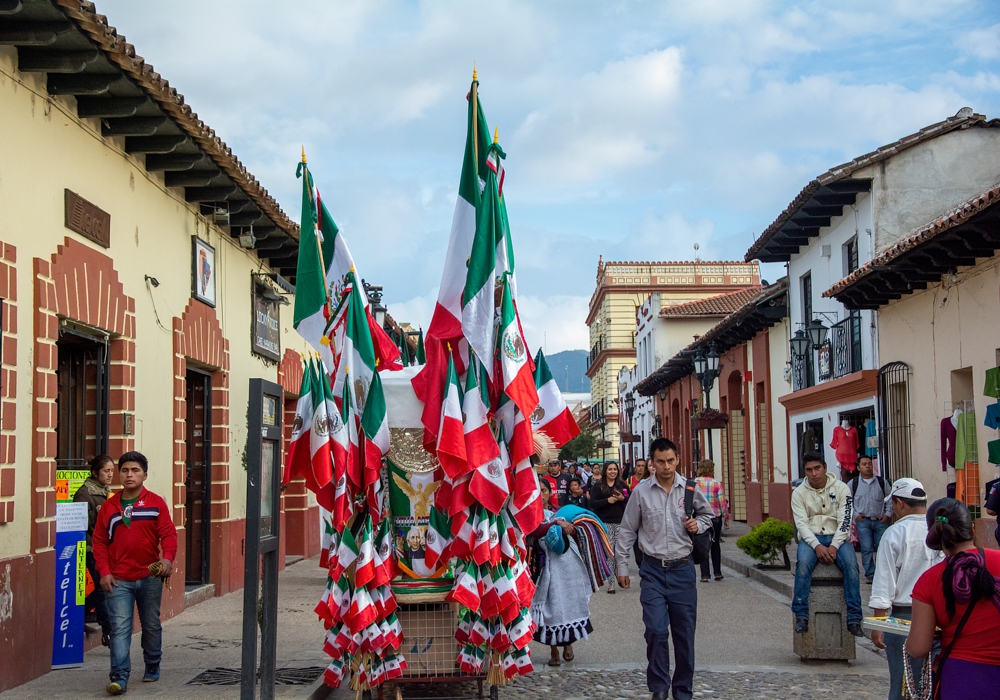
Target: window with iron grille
[(807, 314), (894, 421)]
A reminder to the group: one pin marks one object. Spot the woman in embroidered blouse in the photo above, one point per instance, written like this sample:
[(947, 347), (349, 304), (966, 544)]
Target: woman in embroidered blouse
[(716, 496), (561, 606)]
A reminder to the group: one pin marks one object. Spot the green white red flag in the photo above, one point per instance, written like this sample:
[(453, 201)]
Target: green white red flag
[(518, 383), (552, 416), (451, 437)]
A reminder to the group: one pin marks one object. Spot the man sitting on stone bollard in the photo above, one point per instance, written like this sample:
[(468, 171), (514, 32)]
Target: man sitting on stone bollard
[(822, 508)]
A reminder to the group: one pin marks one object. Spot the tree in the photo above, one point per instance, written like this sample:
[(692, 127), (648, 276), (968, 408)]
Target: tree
[(583, 445)]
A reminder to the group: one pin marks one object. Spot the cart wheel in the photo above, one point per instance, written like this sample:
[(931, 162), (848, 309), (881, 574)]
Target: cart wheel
[(494, 692)]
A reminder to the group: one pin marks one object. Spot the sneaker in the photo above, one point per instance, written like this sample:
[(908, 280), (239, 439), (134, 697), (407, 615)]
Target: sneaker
[(855, 629), (117, 686), (801, 626), (152, 673)]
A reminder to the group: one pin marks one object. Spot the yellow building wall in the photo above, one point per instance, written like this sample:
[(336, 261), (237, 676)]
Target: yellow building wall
[(45, 148), (938, 331)]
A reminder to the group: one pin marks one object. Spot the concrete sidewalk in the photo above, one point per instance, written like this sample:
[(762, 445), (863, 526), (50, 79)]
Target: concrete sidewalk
[(206, 636)]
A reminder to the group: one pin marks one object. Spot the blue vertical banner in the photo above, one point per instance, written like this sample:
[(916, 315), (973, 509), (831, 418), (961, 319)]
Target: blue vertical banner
[(71, 577)]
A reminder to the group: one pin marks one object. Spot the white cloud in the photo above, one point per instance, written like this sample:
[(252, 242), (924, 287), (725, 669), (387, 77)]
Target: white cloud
[(982, 43), (554, 323)]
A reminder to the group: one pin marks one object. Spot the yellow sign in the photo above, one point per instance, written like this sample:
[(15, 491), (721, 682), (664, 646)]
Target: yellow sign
[(68, 482), (81, 571)]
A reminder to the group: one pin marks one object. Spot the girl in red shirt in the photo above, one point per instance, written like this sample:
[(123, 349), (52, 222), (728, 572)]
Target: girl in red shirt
[(969, 666)]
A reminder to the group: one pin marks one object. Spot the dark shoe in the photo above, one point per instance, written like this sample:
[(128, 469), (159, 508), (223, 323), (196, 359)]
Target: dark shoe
[(152, 673), (855, 629), (704, 580), (660, 695), (117, 686), (801, 626), (612, 591), (869, 580), (719, 577)]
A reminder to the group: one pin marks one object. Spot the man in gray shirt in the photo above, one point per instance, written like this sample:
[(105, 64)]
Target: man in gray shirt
[(872, 515), (655, 518)]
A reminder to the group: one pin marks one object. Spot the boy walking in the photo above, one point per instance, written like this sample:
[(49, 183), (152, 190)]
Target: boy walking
[(134, 531)]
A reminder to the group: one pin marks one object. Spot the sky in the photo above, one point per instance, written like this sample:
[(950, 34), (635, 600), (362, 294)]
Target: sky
[(633, 130)]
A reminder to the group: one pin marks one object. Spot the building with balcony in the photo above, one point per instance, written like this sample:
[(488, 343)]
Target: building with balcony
[(621, 289), (835, 226), (935, 292)]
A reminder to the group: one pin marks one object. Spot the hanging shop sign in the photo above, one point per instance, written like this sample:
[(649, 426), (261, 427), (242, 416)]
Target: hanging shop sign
[(87, 219), (265, 329)]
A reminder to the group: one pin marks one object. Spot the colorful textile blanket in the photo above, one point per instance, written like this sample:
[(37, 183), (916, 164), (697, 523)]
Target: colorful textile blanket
[(592, 540)]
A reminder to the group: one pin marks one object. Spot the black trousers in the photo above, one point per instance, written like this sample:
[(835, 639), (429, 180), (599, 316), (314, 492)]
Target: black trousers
[(96, 598), (716, 549)]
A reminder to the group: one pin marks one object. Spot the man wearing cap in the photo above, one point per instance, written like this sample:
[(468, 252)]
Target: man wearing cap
[(902, 558)]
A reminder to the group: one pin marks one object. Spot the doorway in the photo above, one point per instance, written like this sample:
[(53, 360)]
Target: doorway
[(82, 398), (198, 477)]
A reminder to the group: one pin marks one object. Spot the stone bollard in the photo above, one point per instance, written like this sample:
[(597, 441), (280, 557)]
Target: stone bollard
[(827, 637)]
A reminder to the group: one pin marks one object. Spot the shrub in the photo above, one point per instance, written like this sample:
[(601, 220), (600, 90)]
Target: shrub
[(768, 540)]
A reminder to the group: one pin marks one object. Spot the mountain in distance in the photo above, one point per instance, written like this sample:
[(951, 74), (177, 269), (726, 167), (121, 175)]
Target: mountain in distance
[(569, 369)]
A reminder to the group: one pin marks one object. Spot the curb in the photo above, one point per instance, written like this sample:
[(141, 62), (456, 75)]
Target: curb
[(757, 575)]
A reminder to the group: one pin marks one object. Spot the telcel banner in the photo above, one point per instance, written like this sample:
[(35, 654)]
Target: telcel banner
[(71, 581)]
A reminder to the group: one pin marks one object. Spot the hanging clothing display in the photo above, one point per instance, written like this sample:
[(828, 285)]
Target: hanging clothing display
[(992, 387), (871, 439), (846, 445), (992, 419), (966, 447), (994, 451), (948, 433)]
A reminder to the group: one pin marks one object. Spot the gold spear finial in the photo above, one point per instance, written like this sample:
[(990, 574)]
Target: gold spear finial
[(303, 154), (474, 77), (496, 134)]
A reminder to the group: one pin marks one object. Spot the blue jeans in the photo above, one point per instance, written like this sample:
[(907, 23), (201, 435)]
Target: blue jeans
[(894, 655), (669, 599), (123, 599), (869, 537), (847, 562)]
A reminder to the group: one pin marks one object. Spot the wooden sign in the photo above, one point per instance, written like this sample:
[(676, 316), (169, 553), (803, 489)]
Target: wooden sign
[(88, 220)]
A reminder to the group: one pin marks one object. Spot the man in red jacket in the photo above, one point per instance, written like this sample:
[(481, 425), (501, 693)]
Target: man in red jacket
[(134, 531)]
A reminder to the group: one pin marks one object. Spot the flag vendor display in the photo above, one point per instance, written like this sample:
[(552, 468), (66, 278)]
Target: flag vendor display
[(552, 416), (478, 392), (339, 437)]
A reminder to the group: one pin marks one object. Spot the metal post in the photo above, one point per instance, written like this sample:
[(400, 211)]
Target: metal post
[(262, 537)]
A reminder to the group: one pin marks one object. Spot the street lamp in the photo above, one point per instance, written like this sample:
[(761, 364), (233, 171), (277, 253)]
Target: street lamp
[(799, 344), (374, 292), (709, 372), (816, 332), (629, 410)]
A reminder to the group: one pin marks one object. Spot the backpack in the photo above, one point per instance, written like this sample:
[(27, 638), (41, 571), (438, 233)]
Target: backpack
[(702, 541), (854, 485)]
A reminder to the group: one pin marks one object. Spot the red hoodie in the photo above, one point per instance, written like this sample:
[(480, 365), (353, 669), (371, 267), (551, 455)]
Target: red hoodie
[(126, 551)]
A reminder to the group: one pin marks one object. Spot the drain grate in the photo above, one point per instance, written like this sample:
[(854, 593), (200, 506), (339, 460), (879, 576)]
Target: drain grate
[(282, 676)]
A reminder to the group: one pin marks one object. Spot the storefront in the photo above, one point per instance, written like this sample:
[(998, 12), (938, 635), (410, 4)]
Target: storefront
[(938, 303), (134, 250)]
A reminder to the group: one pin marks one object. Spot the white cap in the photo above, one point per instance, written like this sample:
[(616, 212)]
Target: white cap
[(907, 488)]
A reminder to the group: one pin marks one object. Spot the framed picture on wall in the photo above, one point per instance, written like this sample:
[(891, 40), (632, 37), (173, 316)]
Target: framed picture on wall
[(203, 285)]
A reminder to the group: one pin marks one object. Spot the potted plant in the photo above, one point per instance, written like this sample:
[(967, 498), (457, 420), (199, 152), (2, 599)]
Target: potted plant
[(765, 542)]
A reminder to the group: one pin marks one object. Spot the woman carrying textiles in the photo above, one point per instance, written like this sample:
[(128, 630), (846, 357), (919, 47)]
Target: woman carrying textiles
[(561, 606)]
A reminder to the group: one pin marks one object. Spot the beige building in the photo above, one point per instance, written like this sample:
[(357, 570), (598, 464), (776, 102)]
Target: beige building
[(136, 305), (622, 288), (936, 295)]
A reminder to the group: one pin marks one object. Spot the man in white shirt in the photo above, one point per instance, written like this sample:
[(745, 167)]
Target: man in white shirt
[(902, 558)]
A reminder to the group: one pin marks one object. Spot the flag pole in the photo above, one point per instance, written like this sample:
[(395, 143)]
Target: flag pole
[(319, 244), (475, 118)]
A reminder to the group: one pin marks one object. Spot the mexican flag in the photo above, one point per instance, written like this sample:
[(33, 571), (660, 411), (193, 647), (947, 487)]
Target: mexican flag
[(345, 461), (451, 438), (489, 481), (518, 383), (323, 273), (446, 323), (299, 458), (552, 416), (438, 537), (480, 444)]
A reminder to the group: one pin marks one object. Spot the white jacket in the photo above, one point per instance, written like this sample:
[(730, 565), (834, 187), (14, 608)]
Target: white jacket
[(826, 511), (902, 558)]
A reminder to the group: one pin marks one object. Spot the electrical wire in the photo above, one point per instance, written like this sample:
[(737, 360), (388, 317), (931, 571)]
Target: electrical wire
[(156, 315)]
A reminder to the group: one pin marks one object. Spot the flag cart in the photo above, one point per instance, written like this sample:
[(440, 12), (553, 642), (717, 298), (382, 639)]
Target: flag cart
[(428, 620)]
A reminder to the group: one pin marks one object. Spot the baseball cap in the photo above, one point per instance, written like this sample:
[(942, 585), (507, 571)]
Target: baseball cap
[(907, 488)]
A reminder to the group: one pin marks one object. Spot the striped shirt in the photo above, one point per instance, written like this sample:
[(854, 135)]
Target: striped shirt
[(714, 494)]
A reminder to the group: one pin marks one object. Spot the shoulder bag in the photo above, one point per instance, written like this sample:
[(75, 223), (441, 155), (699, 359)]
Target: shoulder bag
[(702, 541)]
